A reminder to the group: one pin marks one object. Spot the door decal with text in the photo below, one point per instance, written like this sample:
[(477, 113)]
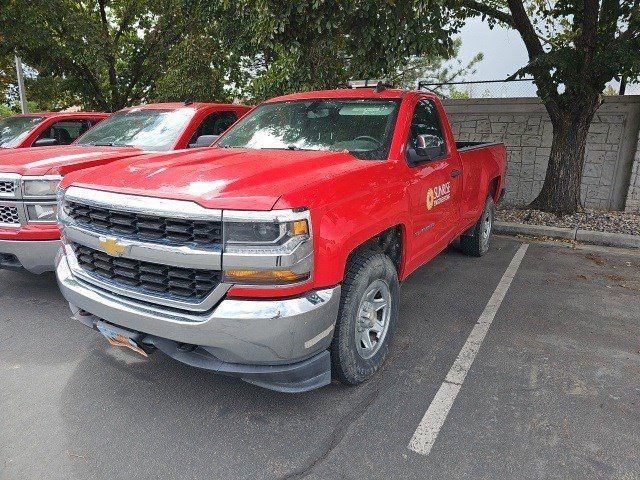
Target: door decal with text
[(438, 195)]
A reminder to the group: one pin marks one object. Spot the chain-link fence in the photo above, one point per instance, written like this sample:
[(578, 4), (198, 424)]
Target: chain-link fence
[(520, 87)]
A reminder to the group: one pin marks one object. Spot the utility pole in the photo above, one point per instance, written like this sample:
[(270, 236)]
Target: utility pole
[(23, 95)]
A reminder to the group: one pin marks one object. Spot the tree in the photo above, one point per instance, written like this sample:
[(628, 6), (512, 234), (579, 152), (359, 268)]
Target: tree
[(575, 47), (291, 45), (194, 72), (105, 54), (7, 67), (45, 93), (436, 70)]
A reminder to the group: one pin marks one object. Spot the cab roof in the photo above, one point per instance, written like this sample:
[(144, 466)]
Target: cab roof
[(343, 93), (63, 114), (178, 105)]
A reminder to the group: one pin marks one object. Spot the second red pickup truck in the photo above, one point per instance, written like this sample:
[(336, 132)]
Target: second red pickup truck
[(277, 255), (45, 129), (29, 177)]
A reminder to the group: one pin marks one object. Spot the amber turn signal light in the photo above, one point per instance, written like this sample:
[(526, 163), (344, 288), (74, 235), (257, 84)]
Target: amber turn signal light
[(265, 276), (299, 227)]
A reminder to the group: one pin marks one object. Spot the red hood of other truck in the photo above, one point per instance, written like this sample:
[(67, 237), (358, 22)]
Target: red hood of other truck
[(59, 159)]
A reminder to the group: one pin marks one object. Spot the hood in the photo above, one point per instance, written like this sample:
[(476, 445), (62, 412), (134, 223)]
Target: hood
[(59, 159), (220, 177)]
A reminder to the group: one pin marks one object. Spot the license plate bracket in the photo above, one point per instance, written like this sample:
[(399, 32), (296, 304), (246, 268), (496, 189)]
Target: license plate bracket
[(118, 337)]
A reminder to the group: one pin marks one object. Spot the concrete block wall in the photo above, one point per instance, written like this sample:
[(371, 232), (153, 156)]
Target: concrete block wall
[(633, 196), (524, 126)]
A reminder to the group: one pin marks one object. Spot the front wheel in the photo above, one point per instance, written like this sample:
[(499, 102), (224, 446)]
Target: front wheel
[(477, 239), (366, 317)]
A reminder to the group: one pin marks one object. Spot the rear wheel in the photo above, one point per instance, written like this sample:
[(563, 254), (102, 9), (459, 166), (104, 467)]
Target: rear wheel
[(366, 318), (478, 238)]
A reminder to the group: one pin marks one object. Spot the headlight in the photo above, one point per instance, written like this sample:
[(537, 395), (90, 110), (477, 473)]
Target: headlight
[(42, 212), (263, 233), (40, 186), (61, 207), (267, 248)]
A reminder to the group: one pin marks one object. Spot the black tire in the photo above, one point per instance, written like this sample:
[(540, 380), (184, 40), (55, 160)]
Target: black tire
[(476, 241), (366, 272)]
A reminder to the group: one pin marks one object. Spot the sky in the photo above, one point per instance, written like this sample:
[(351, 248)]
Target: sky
[(503, 49), (504, 53)]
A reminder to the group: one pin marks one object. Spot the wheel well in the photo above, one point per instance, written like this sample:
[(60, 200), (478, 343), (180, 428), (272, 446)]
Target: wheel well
[(493, 189), (389, 242)]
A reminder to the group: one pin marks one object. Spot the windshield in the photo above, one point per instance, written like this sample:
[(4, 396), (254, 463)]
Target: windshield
[(362, 127), (148, 129), (14, 129)]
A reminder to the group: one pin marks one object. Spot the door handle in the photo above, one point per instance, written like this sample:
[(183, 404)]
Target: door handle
[(455, 173)]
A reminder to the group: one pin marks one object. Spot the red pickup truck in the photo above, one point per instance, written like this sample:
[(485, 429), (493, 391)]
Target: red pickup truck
[(276, 255), (29, 177), (46, 129)]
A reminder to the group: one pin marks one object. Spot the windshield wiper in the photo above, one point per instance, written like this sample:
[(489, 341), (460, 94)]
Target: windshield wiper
[(110, 144), (289, 147)]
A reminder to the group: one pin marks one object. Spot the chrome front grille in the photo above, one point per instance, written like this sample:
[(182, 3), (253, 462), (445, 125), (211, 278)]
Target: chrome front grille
[(9, 215), (145, 227), (162, 252), (151, 278)]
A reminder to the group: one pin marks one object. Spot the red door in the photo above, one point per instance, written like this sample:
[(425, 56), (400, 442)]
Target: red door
[(435, 181)]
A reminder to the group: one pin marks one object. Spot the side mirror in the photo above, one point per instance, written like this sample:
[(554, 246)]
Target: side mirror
[(45, 142), (204, 141), (425, 147), (426, 140)]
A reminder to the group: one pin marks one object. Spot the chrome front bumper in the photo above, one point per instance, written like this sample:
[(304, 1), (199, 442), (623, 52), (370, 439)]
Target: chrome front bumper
[(35, 256), (253, 332)]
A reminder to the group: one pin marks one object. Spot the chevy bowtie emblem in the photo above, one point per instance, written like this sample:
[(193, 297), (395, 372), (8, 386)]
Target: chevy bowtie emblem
[(112, 247)]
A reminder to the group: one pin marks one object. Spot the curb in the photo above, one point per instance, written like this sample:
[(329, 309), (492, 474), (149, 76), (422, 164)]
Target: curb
[(583, 236)]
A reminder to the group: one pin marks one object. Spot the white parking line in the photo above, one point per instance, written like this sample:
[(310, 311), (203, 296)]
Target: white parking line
[(427, 432)]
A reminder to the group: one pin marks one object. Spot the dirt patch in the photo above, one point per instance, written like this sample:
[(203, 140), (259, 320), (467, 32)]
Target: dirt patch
[(595, 258), (595, 220)]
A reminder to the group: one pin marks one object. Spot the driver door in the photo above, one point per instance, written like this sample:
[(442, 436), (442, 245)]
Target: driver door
[(431, 187)]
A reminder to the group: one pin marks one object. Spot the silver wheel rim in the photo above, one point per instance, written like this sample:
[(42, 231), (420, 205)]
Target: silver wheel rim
[(487, 223), (372, 323)]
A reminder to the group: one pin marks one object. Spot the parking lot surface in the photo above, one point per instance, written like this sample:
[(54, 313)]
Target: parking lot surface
[(553, 392)]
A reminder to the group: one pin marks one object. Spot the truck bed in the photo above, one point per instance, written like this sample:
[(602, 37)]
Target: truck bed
[(479, 160), (466, 146)]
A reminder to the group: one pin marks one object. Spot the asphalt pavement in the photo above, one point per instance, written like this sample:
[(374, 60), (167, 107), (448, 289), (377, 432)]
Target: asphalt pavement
[(553, 390)]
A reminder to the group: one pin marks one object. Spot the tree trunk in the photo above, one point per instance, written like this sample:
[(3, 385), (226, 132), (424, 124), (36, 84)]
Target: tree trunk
[(560, 192)]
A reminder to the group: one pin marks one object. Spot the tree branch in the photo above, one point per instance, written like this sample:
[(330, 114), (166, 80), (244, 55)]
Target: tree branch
[(489, 11), (542, 76), (586, 43), (155, 40), (72, 63), (125, 22), (522, 23), (589, 22)]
